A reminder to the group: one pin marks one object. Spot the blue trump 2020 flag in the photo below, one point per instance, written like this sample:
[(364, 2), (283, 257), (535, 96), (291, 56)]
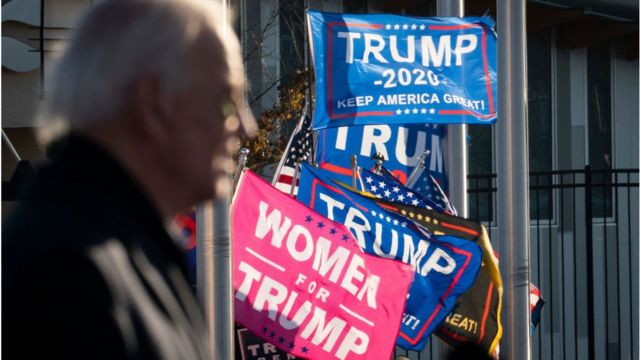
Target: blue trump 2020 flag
[(391, 69), (445, 266)]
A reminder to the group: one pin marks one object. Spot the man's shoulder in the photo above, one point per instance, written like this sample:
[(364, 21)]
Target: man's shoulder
[(44, 254), (58, 290), (39, 231), (40, 221)]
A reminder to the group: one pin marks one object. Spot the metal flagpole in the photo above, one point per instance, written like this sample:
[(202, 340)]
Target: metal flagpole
[(379, 160), (215, 291), (242, 162), (13, 150), (223, 347), (456, 134), (456, 164), (354, 170), (283, 159), (296, 175), (204, 264), (214, 273), (418, 170), (513, 177)]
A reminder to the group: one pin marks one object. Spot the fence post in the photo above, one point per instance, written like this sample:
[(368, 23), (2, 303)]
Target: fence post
[(589, 224)]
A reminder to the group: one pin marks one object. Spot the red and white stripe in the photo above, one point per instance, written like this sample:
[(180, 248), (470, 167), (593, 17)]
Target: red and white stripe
[(285, 179)]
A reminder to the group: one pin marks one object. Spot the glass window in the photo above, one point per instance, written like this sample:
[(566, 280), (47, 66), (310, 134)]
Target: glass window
[(540, 124), (481, 183), (355, 6), (599, 125), (292, 38)]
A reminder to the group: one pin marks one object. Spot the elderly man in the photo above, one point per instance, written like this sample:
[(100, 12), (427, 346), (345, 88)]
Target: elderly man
[(146, 107)]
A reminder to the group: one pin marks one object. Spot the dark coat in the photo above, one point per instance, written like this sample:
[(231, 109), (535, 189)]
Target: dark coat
[(89, 270)]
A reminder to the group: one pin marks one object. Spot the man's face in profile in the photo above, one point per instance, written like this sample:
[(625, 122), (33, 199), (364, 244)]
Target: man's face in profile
[(204, 127)]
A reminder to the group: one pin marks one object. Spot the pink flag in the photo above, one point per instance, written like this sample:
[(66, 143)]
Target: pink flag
[(302, 283)]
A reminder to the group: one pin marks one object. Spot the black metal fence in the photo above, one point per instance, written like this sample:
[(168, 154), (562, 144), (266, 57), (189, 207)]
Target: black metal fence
[(583, 256)]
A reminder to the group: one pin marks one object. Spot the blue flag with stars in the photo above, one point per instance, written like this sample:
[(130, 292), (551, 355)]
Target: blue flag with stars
[(391, 69), (445, 266), (385, 188)]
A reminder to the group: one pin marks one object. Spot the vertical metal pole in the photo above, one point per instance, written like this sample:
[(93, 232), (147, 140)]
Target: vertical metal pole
[(418, 170), (242, 162), (513, 177), (456, 134), (456, 163), (215, 291), (354, 170), (204, 265), (223, 346), (314, 141), (41, 33), (589, 247), (214, 272)]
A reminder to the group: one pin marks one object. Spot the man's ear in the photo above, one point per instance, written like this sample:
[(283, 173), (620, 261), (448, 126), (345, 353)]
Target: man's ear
[(151, 108)]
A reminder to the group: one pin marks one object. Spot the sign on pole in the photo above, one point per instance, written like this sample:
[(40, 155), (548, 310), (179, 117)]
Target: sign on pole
[(302, 283)]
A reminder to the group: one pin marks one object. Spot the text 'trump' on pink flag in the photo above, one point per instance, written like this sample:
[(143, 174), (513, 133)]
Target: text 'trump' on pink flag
[(301, 281)]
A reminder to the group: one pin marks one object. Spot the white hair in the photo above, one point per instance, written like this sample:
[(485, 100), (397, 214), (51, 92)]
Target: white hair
[(118, 42)]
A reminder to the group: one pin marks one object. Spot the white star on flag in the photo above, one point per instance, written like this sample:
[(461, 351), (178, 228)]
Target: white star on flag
[(388, 27), (414, 26), (396, 26), (382, 184), (399, 112), (374, 188), (422, 27), (396, 189), (409, 194), (406, 111), (414, 202), (423, 111), (387, 193), (369, 180), (405, 27), (432, 111), (400, 197)]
